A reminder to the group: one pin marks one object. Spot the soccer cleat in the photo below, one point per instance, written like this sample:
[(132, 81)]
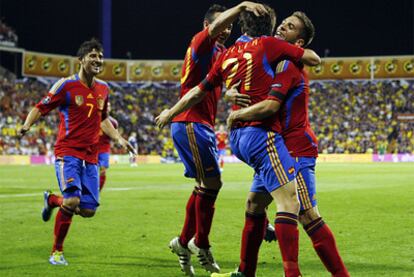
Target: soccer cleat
[(184, 256), (205, 257), (57, 258), (230, 274), (270, 234), (47, 210)]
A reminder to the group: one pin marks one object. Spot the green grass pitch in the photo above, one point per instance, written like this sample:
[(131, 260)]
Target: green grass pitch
[(369, 207)]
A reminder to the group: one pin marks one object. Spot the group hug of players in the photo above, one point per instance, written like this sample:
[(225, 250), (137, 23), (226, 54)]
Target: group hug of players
[(270, 131)]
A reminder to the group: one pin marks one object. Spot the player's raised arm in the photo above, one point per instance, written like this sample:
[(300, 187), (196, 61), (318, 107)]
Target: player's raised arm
[(194, 96), (310, 58), (226, 18)]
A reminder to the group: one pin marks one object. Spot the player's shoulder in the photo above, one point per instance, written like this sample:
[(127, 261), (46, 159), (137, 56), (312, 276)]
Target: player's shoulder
[(60, 84), (288, 66), (102, 84), (202, 35)]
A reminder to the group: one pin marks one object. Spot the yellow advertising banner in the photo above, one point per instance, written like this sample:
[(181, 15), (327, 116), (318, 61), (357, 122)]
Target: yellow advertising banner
[(363, 68), (49, 65)]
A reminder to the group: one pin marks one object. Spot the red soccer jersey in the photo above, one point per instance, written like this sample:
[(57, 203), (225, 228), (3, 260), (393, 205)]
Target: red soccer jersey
[(221, 138), (104, 144), (252, 61), (291, 87), (200, 56), (81, 110)]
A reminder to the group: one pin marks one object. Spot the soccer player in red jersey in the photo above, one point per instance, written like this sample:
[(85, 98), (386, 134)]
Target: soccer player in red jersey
[(193, 135), (289, 96), (104, 150), (258, 143), (222, 140), (82, 100)]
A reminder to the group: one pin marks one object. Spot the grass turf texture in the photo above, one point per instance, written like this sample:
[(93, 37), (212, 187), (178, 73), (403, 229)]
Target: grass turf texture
[(369, 207)]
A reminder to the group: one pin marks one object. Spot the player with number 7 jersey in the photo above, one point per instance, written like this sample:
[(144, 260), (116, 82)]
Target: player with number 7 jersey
[(81, 110)]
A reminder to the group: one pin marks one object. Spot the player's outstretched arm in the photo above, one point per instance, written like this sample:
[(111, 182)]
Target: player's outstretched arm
[(310, 58), (31, 118), (113, 133), (258, 111), (229, 16), (194, 96)]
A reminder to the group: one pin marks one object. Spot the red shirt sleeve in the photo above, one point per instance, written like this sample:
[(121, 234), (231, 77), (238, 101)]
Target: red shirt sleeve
[(287, 77), (277, 49), (202, 43), (214, 78), (54, 98)]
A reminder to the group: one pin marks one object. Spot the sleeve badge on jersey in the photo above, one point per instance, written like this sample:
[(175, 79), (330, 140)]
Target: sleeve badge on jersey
[(46, 100), (101, 103), (79, 100)]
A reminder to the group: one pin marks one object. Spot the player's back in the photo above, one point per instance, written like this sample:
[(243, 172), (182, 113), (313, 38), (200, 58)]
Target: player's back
[(252, 61)]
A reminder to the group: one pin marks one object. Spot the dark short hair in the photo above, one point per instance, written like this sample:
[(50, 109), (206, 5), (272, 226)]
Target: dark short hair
[(215, 8), (256, 26), (88, 46), (308, 31)]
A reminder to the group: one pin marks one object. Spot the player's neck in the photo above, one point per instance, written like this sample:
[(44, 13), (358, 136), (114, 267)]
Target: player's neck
[(87, 79)]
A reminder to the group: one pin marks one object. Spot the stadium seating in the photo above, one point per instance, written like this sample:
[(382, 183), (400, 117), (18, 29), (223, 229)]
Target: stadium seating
[(347, 116)]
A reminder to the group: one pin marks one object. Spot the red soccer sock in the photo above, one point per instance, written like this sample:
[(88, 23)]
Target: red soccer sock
[(189, 227), (102, 179), (204, 215), (252, 238), (324, 243), (286, 228), (221, 163), (62, 224), (55, 200)]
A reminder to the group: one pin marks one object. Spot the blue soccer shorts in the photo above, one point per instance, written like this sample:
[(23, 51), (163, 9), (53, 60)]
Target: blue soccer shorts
[(103, 159), (78, 178), (266, 153), (197, 148), (221, 152), (305, 180)]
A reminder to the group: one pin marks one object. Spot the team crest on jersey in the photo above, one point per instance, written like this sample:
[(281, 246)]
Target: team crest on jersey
[(79, 100), (46, 100), (101, 103)]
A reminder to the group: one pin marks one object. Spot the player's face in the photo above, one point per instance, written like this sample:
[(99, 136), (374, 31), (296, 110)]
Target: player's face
[(223, 36), (92, 62), (289, 30)]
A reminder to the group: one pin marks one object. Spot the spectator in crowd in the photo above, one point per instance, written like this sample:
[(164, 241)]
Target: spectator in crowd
[(347, 116)]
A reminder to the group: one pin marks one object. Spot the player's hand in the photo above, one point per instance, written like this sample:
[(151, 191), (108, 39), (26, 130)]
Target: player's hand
[(127, 146), (231, 119), (163, 119), (22, 131), (232, 95), (256, 8)]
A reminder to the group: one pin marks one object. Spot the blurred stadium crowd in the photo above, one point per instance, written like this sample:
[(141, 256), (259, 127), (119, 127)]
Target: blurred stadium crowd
[(8, 36), (347, 116)]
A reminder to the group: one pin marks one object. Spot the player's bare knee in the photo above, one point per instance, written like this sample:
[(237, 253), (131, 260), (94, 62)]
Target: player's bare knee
[(86, 212), (102, 170), (309, 215), (72, 202), (254, 207), (213, 183)]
